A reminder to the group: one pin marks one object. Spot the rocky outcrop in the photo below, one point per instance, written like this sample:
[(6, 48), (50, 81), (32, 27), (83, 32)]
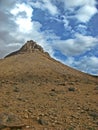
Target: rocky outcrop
[(31, 46), (28, 47)]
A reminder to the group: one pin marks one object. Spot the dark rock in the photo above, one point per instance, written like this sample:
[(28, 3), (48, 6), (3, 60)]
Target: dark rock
[(42, 121), (71, 89), (62, 84), (53, 90)]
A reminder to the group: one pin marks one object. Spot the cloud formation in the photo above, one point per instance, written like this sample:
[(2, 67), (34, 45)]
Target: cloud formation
[(88, 64), (77, 45), (83, 10), (45, 5), (85, 13)]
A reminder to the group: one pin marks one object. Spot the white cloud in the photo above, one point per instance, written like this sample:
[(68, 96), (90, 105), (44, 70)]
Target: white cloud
[(69, 61), (70, 3), (66, 23), (45, 5), (85, 13), (81, 29), (22, 8), (76, 46), (75, 3), (88, 64), (50, 7), (23, 14), (82, 26)]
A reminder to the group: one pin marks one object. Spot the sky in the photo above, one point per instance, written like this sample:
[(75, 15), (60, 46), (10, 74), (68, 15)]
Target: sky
[(66, 29)]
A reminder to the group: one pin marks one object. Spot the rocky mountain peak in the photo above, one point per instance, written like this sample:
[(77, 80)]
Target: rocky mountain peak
[(31, 46)]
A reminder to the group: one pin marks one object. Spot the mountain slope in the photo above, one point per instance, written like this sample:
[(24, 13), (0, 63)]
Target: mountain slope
[(44, 93)]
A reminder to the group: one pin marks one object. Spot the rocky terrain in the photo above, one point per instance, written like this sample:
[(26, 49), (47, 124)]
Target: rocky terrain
[(39, 93)]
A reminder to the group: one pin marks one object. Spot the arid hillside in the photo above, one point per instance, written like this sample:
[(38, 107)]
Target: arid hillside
[(39, 93)]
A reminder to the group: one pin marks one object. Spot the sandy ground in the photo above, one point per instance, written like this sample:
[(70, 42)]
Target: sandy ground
[(39, 93)]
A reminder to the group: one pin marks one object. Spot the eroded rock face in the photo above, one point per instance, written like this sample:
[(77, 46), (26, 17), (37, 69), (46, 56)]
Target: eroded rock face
[(31, 46)]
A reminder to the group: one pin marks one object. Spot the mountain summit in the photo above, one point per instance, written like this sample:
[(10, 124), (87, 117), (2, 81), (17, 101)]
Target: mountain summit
[(28, 47), (31, 46)]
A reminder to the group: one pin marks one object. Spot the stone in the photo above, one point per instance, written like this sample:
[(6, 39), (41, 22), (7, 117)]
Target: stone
[(26, 115), (71, 89), (42, 121), (52, 94)]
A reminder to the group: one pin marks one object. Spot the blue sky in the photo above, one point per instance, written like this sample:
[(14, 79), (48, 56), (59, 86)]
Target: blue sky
[(67, 29)]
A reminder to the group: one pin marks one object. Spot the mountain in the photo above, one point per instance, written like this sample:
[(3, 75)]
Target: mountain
[(38, 92), (29, 47)]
